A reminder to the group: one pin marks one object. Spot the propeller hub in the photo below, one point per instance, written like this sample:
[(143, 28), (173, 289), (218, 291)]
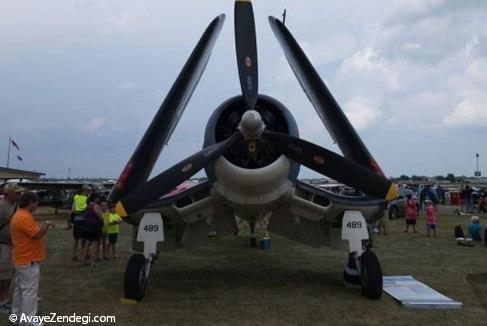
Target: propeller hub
[(251, 125)]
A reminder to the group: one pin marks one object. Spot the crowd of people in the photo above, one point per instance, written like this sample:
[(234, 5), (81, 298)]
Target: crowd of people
[(427, 198), (411, 217), (471, 201), (95, 228)]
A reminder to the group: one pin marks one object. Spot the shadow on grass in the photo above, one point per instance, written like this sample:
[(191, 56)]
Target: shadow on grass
[(188, 280)]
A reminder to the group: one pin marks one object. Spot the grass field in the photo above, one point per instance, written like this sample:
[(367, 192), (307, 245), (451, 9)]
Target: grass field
[(226, 282)]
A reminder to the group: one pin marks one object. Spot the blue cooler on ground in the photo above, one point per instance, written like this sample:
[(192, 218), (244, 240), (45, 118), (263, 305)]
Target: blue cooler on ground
[(265, 242)]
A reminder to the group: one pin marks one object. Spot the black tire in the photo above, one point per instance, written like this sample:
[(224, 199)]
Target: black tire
[(135, 282), (371, 275)]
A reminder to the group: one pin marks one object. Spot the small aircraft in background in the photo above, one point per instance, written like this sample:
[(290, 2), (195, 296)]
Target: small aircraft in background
[(251, 155)]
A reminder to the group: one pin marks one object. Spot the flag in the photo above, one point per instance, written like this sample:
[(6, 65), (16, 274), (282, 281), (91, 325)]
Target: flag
[(14, 144), (20, 158)]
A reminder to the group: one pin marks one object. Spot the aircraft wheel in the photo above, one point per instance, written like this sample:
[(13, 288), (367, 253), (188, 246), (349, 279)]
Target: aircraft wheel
[(135, 280), (371, 275)]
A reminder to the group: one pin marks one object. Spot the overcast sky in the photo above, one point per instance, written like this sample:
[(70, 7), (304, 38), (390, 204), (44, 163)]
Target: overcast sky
[(81, 80)]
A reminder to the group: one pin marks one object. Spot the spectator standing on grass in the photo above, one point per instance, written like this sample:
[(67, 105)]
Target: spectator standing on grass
[(104, 237), (411, 213), (381, 225), (475, 229), (462, 199), (467, 196), (27, 252), (93, 234), (113, 231), (80, 203), (483, 204), (8, 205), (430, 218), (441, 195)]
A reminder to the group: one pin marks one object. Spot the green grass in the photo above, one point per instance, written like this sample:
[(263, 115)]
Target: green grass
[(226, 282)]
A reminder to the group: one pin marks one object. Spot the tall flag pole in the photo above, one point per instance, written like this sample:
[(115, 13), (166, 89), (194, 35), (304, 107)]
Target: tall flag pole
[(11, 143), (8, 154)]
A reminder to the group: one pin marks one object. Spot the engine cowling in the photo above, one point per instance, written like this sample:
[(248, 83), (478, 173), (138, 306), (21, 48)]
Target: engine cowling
[(251, 171)]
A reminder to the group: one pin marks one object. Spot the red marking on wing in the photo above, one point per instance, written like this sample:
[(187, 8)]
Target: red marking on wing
[(187, 167), (182, 187), (127, 171), (373, 164), (319, 159)]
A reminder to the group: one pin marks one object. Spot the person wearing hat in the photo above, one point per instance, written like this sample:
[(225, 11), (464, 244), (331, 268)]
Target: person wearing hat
[(8, 204), (27, 253), (475, 229), (411, 213)]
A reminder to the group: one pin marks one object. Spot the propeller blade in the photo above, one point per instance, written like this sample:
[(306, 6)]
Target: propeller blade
[(246, 48), (172, 177), (160, 130), (325, 105), (332, 165)]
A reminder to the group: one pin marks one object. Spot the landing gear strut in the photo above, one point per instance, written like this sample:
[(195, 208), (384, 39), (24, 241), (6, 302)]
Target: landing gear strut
[(253, 241), (150, 232)]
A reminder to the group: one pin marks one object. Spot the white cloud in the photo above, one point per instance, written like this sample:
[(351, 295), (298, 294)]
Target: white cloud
[(332, 49), (424, 67), (361, 112), (126, 85), (129, 17), (94, 124), (467, 113), (371, 63)]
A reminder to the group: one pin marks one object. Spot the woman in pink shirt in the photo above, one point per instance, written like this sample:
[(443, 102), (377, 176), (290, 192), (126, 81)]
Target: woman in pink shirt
[(411, 213), (430, 218)]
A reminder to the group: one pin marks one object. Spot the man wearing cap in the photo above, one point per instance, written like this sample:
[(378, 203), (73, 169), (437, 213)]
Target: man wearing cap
[(28, 251), (8, 205)]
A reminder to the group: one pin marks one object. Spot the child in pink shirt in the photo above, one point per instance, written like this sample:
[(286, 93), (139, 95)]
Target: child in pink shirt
[(411, 213), (430, 218)]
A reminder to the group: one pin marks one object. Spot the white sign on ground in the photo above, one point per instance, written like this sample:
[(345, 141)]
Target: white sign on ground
[(414, 294)]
